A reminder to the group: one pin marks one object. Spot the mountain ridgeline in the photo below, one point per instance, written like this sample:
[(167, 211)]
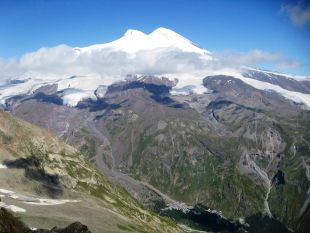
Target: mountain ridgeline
[(209, 148), (241, 151)]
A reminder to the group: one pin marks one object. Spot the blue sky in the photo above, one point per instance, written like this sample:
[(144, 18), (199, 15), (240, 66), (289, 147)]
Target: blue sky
[(220, 26)]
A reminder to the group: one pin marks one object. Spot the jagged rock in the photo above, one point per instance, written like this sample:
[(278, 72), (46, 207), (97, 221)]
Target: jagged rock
[(75, 227)]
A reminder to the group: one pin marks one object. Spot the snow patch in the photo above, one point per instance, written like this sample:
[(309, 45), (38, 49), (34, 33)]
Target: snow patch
[(288, 76), (13, 208), (5, 191), (32, 200), (3, 166), (73, 99), (187, 83), (42, 202)]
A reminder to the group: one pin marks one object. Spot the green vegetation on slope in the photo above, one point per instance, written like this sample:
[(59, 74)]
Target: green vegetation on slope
[(75, 173)]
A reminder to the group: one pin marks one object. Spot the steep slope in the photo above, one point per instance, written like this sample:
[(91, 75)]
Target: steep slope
[(232, 140), (49, 183), (289, 82), (236, 149), (239, 150)]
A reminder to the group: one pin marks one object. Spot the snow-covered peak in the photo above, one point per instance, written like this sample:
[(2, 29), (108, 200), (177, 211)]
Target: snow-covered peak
[(168, 34), (134, 41), (134, 33)]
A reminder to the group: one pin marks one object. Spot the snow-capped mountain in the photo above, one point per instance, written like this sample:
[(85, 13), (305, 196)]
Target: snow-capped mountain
[(158, 108), (134, 41), (78, 72)]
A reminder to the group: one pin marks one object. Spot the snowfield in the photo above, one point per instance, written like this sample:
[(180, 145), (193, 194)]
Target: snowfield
[(134, 41), (13, 208), (29, 200), (42, 201), (2, 166), (291, 95)]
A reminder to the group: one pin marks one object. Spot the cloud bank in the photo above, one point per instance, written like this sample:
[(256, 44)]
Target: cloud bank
[(65, 61), (257, 57)]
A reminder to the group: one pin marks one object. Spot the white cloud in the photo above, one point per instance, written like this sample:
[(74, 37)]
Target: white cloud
[(65, 61), (256, 57), (299, 13), (288, 64)]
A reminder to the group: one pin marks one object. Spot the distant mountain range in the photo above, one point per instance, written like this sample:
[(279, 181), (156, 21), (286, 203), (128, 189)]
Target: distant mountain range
[(78, 72), (184, 135)]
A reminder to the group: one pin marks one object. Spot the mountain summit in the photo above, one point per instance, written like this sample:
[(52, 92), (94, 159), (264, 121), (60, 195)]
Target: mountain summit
[(134, 41)]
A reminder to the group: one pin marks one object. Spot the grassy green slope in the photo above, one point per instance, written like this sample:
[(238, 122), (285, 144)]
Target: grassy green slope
[(105, 206)]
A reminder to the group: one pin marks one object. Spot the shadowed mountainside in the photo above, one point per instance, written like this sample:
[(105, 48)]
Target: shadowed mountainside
[(236, 149)]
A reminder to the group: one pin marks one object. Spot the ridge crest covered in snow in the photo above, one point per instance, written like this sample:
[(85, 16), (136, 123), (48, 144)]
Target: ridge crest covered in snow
[(134, 41)]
